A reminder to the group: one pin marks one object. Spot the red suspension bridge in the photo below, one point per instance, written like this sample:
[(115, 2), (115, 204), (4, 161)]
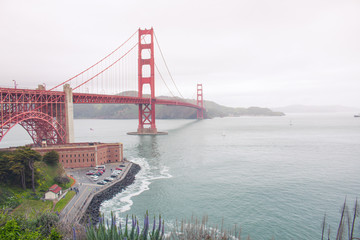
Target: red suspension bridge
[(48, 114)]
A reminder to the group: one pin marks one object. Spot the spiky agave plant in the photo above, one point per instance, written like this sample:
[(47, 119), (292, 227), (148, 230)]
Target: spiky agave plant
[(113, 231)]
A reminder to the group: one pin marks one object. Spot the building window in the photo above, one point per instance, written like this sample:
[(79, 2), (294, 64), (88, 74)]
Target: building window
[(66, 155), (66, 161), (74, 160), (70, 161)]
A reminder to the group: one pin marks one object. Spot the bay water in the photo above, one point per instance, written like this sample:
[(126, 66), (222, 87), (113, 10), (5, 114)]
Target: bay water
[(271, 176)]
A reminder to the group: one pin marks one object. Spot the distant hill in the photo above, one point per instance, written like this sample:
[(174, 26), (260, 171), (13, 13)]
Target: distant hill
[(315, 109), (127, 111)]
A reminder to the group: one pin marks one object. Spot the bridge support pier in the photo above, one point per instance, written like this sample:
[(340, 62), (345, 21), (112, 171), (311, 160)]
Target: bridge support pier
[(147, 124), (69, 114), (147, 117), (200, 101)]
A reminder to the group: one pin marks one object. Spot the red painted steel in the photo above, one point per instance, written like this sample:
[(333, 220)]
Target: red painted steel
[(41, 113), (147, 110), (87, 98), (200, 101)]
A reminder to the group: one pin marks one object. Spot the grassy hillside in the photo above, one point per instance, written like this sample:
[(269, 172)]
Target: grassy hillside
[(11, 196)]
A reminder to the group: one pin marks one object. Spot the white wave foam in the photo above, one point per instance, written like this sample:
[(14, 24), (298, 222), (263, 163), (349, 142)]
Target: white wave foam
[(122, 202)]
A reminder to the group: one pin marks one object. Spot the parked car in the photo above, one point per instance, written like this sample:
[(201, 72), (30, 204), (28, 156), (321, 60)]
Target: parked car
[(90, 173), (101, 182), (100, 167), (120, 169), (94, 177), (121, 165), (108, 179)]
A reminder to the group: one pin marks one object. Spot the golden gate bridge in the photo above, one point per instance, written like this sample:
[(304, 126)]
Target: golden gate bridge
[(48, 114)]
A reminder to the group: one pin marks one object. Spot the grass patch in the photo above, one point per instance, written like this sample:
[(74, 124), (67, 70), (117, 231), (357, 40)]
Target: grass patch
[(68, 185), (12, 196), (62, 203), (31, 208)]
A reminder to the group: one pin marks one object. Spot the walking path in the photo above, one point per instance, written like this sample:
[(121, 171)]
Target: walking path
[(77, 206)]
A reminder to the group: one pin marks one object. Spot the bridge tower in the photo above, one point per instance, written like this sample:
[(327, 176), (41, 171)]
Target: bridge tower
[(200, 101), (146, 75)]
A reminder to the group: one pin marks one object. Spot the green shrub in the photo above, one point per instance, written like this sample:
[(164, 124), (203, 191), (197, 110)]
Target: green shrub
[(19, 227), (51, 158), (61, 180)]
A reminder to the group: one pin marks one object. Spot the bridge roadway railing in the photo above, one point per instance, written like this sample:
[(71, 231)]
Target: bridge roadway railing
[(87, 98)]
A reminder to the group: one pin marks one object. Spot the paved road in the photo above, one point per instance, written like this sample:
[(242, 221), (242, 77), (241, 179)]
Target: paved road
[(86, 186)]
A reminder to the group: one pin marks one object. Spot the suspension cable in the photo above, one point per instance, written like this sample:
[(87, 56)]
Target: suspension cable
[(167, 65), (107, 67), (95, 63), (163, 80)]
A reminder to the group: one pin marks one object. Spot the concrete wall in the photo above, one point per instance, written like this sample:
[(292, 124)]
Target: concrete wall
[(69, 114)]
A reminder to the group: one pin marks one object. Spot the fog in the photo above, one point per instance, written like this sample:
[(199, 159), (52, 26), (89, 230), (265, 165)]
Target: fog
[(245, 53)]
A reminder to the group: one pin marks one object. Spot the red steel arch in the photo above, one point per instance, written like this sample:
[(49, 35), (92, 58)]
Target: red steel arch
[(39, 126), (41, 113)]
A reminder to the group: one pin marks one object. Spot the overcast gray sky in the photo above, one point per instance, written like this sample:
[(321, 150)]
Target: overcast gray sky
[(246, 53)]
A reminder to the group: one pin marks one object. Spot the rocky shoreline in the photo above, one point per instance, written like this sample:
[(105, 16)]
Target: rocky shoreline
[(92, 213)]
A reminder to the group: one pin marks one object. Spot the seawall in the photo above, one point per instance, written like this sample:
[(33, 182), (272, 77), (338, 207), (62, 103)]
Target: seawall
[(92, 212)]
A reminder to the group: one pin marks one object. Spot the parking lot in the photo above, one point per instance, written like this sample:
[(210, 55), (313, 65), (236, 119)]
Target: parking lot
[(81, 178), (85, 185)]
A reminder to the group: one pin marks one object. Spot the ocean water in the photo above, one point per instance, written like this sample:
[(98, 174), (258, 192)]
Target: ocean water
[(272, 176)]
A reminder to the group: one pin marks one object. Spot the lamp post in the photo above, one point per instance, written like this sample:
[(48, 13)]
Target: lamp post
[(15, 83)]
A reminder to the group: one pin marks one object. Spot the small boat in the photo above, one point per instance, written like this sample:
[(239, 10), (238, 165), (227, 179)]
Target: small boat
[(358, 115)]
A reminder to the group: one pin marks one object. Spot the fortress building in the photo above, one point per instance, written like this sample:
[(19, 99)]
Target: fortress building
[(77, 155)]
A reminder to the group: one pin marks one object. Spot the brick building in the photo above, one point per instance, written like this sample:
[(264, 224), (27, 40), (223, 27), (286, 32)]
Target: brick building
[(77, 155)]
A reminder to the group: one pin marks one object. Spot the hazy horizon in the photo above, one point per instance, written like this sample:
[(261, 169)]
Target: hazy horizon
[(245, 53)]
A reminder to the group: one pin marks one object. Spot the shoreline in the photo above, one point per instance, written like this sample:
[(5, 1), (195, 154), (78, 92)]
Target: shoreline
[(92, 213)]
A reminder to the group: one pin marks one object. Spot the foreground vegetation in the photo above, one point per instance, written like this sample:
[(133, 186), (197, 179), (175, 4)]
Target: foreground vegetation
[(196, 229), (40, 226), (115, 231)]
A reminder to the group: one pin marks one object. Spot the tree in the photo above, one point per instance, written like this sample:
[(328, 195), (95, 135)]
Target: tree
[(17, 167), (51, 158), (4, 168), (28, 157)]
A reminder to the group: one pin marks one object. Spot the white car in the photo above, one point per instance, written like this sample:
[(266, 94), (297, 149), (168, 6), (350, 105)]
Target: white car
[(108, 179), (94, 177)]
